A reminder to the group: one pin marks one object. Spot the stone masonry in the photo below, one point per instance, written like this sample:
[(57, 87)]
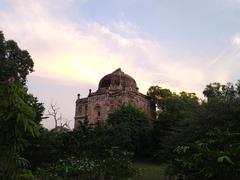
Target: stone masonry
[(114, 90)]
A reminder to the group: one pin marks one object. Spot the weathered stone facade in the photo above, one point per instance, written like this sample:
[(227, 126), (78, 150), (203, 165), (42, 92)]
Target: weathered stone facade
[(114, 90)]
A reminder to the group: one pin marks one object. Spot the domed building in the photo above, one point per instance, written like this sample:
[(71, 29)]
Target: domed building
[(113, 90)]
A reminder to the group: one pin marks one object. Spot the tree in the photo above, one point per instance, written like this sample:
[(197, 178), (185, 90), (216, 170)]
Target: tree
[(49, 143), (20, 112), (222, 107), (58, 119), (176, 114), (215, 152), (157, 94), (129, 128), (219, 91), (15, 65), (16, 121), (14, 62)]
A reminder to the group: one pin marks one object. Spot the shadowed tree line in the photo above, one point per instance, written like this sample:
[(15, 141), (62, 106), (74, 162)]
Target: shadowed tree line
[(198, 139)]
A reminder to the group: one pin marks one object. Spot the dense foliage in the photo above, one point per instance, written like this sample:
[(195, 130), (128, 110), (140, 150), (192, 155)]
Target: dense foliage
[(130, 128), (16, 121), (102, 151), (215, 156), (20, 112), (215, 152), (176, 114)]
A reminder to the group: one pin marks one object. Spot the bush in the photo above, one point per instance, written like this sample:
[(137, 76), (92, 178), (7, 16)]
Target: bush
[(214, 157), (116, 166)]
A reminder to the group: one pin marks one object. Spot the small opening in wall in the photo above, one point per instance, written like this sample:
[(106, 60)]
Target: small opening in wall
[(80, 110), (99, 114)]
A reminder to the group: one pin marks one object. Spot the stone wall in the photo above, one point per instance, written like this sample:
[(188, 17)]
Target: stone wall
[(97, 106)]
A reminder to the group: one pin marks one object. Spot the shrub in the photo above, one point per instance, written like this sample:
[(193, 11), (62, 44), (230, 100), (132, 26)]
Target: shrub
[(214, 157), (116, 166)]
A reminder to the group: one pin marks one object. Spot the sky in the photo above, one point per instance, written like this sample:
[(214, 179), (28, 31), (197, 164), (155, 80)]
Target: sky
[(182, 45)]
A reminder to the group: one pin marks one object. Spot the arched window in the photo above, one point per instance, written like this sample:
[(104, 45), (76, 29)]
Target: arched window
[(98, 110), (80, 109)]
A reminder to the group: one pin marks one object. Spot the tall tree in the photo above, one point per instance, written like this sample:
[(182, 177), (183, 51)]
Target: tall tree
[(175, 114), (14, 62), (157, 96), (217, 91), (15, 65), (222, 107), (20, 112)]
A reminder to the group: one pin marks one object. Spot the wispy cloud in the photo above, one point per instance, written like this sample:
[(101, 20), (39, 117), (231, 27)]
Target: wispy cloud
[(224, 67), (86, 50)]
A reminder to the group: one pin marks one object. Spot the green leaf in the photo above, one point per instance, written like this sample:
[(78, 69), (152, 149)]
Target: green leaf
[(221, 159)]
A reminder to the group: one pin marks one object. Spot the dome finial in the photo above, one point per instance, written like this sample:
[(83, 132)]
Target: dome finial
[(117, 70)]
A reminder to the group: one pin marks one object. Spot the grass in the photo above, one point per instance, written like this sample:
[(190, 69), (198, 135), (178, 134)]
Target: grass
[(149, 171)]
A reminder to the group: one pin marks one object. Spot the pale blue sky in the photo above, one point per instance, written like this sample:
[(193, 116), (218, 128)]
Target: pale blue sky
[(188, 23), (177, 44)]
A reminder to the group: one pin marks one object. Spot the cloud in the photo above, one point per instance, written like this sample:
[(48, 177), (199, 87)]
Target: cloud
[(236, 39), (84, 50)]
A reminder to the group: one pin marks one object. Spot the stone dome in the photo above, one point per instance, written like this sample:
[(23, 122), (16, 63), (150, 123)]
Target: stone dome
[(117, 80)]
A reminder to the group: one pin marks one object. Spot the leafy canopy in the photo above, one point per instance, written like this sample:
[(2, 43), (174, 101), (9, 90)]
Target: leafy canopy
[(20, 112), (14, 62), (129, 128)]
